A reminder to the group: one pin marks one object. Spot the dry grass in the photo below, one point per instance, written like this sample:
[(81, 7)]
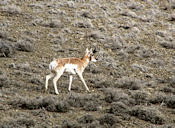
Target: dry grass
[(133, 81)]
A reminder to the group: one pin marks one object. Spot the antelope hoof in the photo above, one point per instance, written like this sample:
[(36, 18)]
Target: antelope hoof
[(88, 91), (56, 93), (45, 91)]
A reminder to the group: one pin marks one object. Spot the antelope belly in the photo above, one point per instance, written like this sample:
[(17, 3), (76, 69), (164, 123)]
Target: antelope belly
[(70, 68)]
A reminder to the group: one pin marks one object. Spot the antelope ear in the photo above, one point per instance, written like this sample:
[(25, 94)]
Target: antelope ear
[(90, 51), (87, 50)]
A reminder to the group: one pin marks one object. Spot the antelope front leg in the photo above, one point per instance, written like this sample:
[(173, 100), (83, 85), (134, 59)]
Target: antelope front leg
[(82, 79), (70, 82)]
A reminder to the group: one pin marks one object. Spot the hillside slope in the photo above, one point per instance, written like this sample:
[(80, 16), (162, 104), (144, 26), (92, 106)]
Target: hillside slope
[(133, 82)]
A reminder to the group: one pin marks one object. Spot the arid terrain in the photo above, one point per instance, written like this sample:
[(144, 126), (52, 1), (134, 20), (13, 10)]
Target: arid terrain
[(132, 84)]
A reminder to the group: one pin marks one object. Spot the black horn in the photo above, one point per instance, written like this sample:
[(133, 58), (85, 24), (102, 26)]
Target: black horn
[(95, 50)]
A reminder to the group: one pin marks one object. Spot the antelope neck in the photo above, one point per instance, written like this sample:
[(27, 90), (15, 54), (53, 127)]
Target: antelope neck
[(86, 60)]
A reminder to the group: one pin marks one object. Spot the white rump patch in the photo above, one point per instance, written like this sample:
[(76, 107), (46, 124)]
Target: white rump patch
[(70, 68), (53, 65)]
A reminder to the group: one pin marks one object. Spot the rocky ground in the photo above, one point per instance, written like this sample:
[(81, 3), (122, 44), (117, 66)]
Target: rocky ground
[(133, 81)]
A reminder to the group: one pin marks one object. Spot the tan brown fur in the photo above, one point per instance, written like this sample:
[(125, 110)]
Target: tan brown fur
[(78, 61), (72, 65)]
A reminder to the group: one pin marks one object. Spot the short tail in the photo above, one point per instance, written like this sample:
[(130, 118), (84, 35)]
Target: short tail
[(53, 65)]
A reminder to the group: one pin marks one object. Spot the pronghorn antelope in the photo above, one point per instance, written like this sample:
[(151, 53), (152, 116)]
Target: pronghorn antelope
[(71, 65)]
